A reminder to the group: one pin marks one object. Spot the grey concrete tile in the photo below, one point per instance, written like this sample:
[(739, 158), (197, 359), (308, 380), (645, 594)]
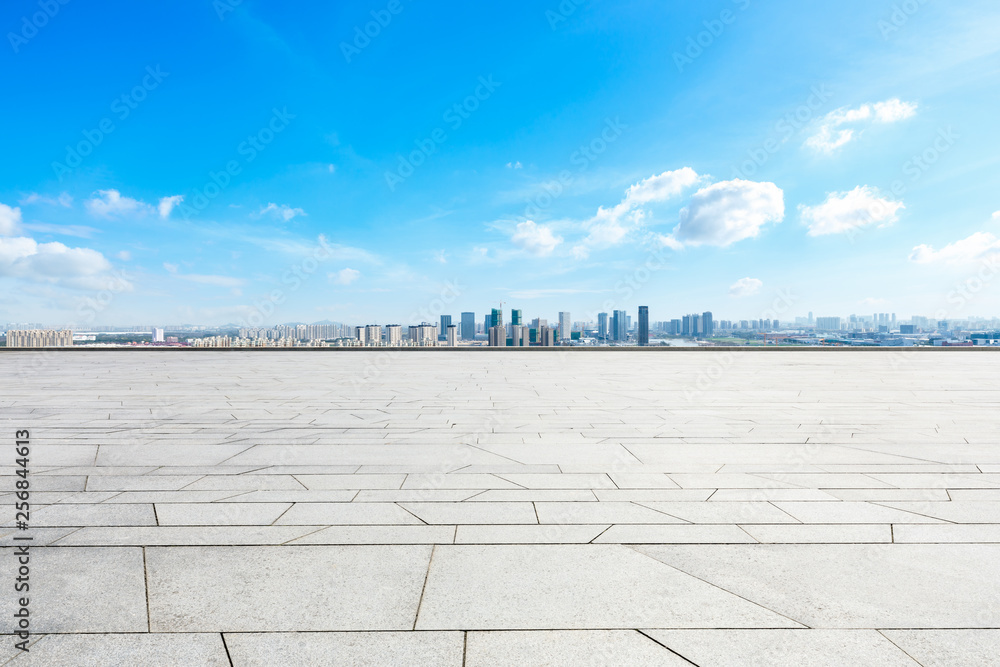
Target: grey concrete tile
[(654, 495), (573, 587), (475, 513), (602, 512), (327, 482), (561, 481), (527, 534), (139, 482), (844, 533), (356, 649), (346, 514), (567, 647), (951, 648), (380, 535), (422, 481), (850, 512), (853, 585), (81, 590), (148, 650), (947, 533), (278, 589), (185, 535), (93, 515), (245, 483), (724, 512), (959, 511), (219, 514), (674, 534), (784, 648), (532, 495)]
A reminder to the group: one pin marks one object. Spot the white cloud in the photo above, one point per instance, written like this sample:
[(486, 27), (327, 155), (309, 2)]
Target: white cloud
[(110, 203), (171, 268), (514, 165), (535, 239), (10, 220), (218, 281), (841, 126), (980, 247), (344, 276), (440, 256), (745, 287), (846, 211), (283, 212), (124, 255), (729, 211), (996, 215), (611, 226), (167, 204), (64, 200), (54, 263)]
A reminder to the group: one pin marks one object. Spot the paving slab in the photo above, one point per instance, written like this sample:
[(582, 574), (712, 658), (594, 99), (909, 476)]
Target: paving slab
[(349, 649), (567, 648)]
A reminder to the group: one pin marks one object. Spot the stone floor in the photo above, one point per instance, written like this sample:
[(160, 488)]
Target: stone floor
[(506, 508)]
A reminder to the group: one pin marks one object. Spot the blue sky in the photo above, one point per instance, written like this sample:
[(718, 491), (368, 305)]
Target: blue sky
[(255, 162)]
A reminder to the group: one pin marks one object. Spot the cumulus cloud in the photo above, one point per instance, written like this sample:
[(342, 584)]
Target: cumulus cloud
[(841, 126), (344, 276), (167, 205), (611, 226), (283, 212), (10, 220), (745, 287), (996, 215), (535, 239), (124, 255), (111, 203), (729, 211), (979, 247), (54, 263), (846, 211)]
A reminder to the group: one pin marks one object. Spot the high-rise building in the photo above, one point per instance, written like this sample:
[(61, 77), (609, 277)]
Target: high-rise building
[(546, 336), (445, 323), (393, 335), (602, 326), (452, 335), (520, 335), (496, 317), (157, 335), (516, 317), (498, 336), (565, 326), (828, 323), (39, 338), (373, 335), (643, 333), (707, 325), (468, 326), (619, 325)]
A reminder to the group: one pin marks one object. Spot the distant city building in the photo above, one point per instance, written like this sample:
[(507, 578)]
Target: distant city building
[(602, 326), (707, 324), (40, 338), (423, 334), (619, 325), (496, 317), (498, 336), (445, 323), (546, 336), (157, 335), (829, 323), (394, 335), (373, 334), (451, 334), (516, 317), (565, 326), (643, 334), (468, 326), (520, 335), (907, 329)]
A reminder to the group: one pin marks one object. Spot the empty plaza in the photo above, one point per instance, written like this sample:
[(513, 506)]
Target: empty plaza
[(493, 507)]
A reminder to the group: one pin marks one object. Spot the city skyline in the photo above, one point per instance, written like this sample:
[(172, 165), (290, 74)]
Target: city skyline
[(191, 186)]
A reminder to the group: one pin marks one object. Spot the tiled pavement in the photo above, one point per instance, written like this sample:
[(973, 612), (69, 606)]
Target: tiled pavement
[(507, 508)]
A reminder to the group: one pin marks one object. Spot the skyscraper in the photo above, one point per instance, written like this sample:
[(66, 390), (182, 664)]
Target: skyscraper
[(445, 323), (602, 326), (619, 325), (451, 334), (643, 325), (565, 326), (707, 325), (496, 317), (468, 326), (516, 317)]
